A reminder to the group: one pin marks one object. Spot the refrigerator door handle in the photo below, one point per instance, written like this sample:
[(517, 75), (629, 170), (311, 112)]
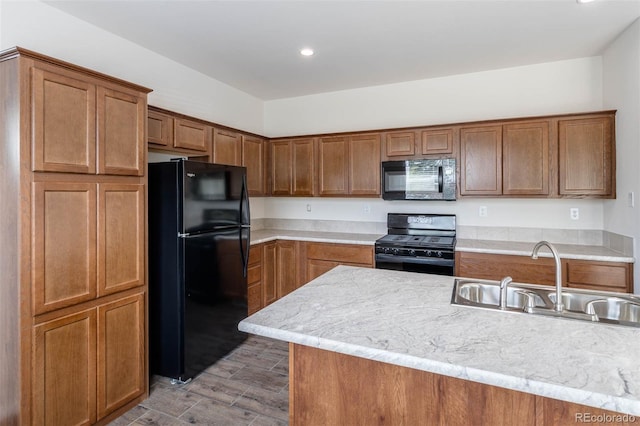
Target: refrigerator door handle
[(245, 250), (245, 216)]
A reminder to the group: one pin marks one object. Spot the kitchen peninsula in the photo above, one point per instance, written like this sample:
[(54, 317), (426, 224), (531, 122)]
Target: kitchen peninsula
[(387, 347)]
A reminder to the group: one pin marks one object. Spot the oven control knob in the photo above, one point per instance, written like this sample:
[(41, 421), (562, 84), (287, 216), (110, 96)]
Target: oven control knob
[(395, 251), (439, 253), (428, 253), (412, 252)]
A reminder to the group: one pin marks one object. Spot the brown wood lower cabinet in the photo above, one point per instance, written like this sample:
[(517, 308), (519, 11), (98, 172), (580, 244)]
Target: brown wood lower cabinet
[(328, 388), (322, 257), (277, 268), (254, 279), (588, 274), (89, 363), (64, 379)]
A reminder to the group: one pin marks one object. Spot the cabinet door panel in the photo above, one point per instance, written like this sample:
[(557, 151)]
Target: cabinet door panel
[(121, 353), (364, 165), (64, 123), (437, 141), (159, 129), (269, 277), (253, 158), (586, 156), (481, 157), (333, 165), (281, 168), (64, 387), (121, 132), (303, 167), (121, 237), (64, 243), (287, 279), (191, 135), (226, 147), (526, 158), (400, 144)]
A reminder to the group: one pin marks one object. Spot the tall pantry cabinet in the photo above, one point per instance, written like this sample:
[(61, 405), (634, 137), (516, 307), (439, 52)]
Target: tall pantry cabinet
[(72, 242)]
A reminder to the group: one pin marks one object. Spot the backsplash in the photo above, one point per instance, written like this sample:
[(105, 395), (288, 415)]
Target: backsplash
[(617, 242)]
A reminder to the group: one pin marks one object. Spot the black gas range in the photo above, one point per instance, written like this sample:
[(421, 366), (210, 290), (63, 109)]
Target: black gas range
[(418, 243)]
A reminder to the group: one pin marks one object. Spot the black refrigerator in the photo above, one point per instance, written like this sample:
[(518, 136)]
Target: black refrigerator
[(198, 254)]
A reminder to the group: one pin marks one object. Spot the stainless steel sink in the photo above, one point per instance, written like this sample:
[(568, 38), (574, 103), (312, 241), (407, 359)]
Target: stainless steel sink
[(487, 294), (609, 307)]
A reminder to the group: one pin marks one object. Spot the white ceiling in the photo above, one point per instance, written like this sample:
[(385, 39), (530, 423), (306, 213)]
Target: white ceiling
[(253, 45)]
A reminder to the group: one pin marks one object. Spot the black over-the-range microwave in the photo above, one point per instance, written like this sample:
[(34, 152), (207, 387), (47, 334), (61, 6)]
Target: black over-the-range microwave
[(424, 179)]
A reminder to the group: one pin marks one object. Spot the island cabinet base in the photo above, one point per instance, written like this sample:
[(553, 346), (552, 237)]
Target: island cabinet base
[(328, 388)]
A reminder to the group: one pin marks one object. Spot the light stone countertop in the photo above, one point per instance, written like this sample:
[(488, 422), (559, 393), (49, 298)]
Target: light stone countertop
[(266, 235), (568, 251), (406, 319)]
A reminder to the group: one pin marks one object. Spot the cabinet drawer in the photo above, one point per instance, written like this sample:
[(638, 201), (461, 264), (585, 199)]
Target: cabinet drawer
[(254, 298), (609, 276), (254, 274), (255, 254), (344, 253)]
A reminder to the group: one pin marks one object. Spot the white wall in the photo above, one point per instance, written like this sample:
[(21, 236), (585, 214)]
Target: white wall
[(621, 76), (550, 88), (45, 29), (566, 86), (557, 87), (500, 212)]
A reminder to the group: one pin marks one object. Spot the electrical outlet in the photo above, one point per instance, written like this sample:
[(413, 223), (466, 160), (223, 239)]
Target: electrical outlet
[(367, 208), (631, 199), (308, 207), (482, 211), (574, 212)]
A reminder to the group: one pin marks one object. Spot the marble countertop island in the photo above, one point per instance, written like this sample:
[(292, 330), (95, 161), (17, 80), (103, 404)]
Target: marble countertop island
[(406, 319)]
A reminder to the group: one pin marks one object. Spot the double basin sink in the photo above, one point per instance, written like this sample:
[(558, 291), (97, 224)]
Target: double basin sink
[(587, 305)]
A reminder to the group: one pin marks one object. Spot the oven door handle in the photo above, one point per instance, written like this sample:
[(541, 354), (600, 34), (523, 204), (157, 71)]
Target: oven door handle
[(390, 258)]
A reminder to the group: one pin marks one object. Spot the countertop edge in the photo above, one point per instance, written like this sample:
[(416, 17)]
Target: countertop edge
[(554, 391)]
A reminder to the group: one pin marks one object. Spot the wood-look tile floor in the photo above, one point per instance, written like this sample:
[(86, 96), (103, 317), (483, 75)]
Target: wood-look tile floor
[(247, 387)]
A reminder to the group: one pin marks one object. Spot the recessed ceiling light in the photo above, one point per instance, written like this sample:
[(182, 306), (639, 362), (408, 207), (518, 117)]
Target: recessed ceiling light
[(584, 1), (306, 52)]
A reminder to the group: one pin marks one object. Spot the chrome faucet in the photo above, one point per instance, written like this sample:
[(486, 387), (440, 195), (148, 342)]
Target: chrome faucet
[(558, 306), (504, 283)]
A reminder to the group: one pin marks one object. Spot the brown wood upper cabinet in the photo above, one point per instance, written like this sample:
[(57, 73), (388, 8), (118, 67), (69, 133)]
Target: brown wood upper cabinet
[(481, 160), (349, 165), (254, 154), (563, 156), (418, 143), (227, 147), (191, 135), (159, 128), (400, 144), (437, 141), (525, 158), (82, 126), (587, 156), (292, 167)]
